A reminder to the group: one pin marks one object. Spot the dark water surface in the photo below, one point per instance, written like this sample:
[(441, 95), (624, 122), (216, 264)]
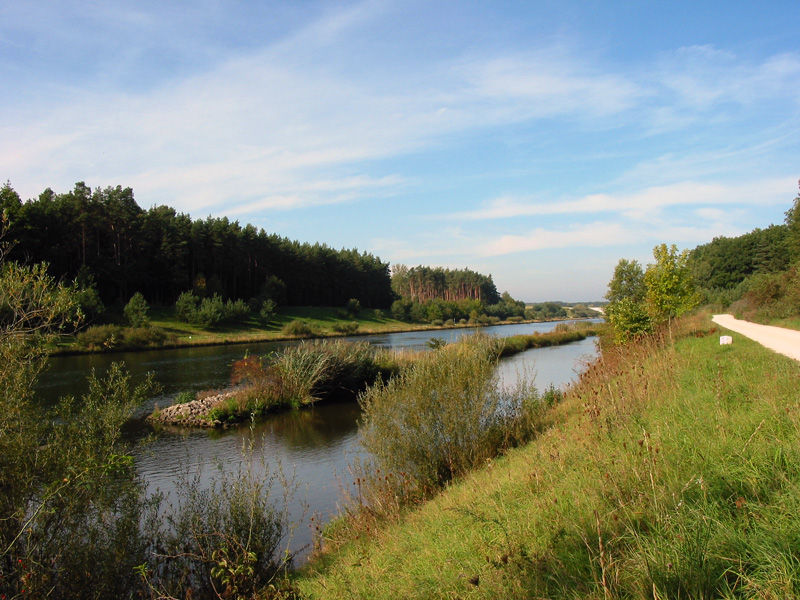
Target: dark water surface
[(313, 446)]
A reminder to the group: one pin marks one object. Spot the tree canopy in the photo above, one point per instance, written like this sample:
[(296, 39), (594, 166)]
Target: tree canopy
[(162, 253), (423, 284)]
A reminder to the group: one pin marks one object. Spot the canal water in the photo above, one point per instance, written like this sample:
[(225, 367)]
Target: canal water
[(312, 447)]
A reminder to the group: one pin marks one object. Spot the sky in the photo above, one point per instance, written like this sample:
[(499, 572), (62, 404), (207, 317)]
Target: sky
[(536, 141)]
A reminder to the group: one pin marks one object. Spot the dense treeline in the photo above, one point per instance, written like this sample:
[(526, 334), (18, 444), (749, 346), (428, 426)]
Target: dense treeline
[(726, 262), (104, 236), (757, 274), (422, 284)]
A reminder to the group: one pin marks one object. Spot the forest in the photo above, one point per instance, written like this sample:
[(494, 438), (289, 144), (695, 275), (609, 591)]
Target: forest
[(755, 274), (115, 252), (422, 284), (103, 237)]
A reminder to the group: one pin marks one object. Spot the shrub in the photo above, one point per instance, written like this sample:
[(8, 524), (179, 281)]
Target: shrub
[(353, 307), (440, 417), (302, 375), (109, 337), (400, 309), (143, 337), (184, 397), (268, 310), (629, 319), (136, 311), (210, 311), (99, 337), (186, 307), (298, 328), (222, 540), (346, 328)]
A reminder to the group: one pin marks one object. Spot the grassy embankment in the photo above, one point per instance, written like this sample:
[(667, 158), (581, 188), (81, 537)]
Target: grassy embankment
[(165, 331), (672, 470)]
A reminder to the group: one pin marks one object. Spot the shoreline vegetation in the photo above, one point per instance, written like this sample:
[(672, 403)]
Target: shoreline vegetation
[(669, 470), (322, 370), (164, 332)]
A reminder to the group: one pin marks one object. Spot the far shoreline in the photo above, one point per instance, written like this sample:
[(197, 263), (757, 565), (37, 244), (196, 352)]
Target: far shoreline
[(187, 342)]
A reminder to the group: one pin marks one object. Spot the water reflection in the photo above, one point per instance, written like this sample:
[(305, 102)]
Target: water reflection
[(315, 446)]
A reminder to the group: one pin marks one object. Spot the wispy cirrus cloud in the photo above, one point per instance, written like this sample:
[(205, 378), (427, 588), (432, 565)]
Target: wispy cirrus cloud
[(635, 204), (600, 234)]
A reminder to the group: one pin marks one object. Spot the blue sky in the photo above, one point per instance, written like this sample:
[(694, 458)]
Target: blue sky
[(539, 141)]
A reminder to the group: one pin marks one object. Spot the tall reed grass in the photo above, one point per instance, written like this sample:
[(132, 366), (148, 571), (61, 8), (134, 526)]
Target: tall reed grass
[(302, 375), (437, 420)]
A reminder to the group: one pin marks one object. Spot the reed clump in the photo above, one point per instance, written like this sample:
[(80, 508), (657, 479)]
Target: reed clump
[(302, 375)]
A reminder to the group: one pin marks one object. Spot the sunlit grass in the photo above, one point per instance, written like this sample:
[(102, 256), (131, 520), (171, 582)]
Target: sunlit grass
[(672, 470), (323, 322)]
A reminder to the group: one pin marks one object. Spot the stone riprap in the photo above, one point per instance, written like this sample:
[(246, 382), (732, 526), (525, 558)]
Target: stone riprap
[(190, 414)]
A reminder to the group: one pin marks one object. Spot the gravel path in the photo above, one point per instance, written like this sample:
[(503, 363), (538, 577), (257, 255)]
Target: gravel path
[(783, 341)]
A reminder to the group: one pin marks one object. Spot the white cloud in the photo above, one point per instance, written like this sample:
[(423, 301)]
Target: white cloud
[(641, 204), (703, 78), (549, 83)]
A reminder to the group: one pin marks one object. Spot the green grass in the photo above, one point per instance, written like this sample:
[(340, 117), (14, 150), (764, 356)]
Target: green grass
[(671, 470), (563, 333), (325, 322), (789, 323)]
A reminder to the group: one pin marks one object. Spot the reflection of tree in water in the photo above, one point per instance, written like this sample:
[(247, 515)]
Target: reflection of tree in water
[(315, 427)]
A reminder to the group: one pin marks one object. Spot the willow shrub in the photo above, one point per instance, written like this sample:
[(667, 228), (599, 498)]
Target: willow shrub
[(443, 416)]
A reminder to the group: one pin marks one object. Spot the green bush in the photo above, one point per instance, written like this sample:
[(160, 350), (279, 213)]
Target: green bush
[(401, 309), (353, 307), (143, 337), (301, 375), (99, 337), (267, 311), (110, 337), (629, 319), (186, 307), (443, 416), (223, 540), (298, 328), (184, 397), (346, 328), (136, 311), (211, 311)]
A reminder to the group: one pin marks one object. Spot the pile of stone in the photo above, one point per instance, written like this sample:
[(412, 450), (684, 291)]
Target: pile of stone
[(190, 414)]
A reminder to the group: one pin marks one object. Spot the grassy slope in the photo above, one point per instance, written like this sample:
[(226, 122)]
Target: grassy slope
[(667, 473)]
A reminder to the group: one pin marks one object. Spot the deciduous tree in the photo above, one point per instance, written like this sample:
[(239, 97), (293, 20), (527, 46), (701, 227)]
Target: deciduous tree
[(670, 289)]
